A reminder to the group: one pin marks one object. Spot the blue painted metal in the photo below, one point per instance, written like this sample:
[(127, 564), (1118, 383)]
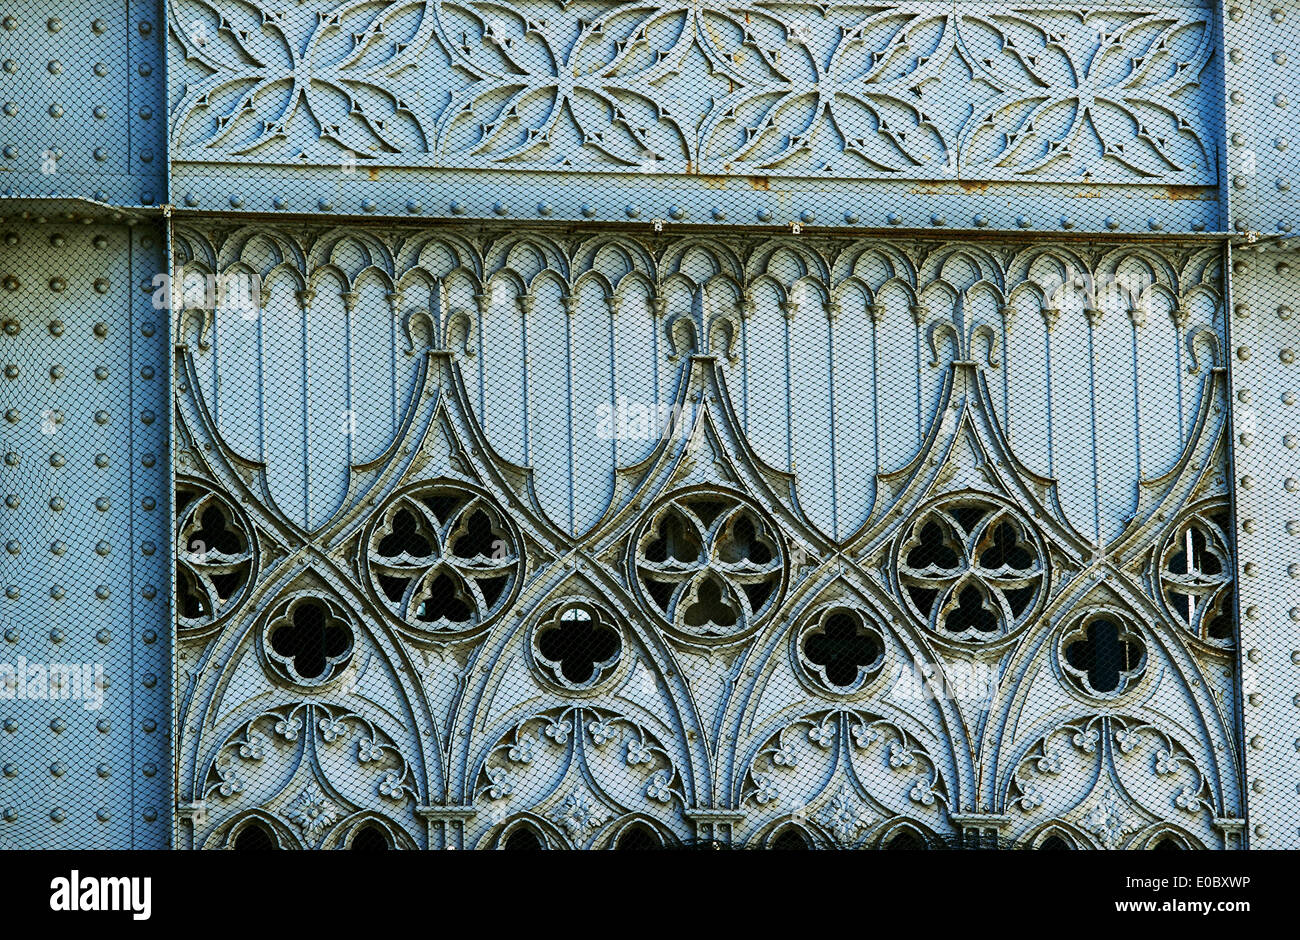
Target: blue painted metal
[(918, 115), (86, 571), (1158, 141)]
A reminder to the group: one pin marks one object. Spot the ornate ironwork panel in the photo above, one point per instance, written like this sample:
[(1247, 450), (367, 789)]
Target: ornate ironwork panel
[(593, 424), (915, 114), (726, 537)]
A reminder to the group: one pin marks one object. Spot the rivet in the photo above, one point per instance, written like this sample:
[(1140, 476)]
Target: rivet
[(1289, 441), (236, 200), (149, 726), (1291, 484), (100, 112), (55, 67), (58, 725), (676, 212), (1248, 482), (937, 218), (588, 211), (893, 218), (325, 205), (1112, 222), (1280, 100), (102, 592), (1288, 398), (58, 547), (103, 726), (457, 207), (1253, 655), (58, 815), (57, 503), (149, 815), (850, 217), (1243, 353), (807, 216), (148, 548), (58, 768), (278, 202), (103, 636), (1257, 742)]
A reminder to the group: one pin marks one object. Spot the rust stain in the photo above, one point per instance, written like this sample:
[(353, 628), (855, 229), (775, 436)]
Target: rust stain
[(973, 186), (714, 182), (374, 174), (759, 182), (1179, 193)]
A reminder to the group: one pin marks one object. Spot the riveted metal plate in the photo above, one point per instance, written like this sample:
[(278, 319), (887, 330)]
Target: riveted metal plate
[(86, 567)]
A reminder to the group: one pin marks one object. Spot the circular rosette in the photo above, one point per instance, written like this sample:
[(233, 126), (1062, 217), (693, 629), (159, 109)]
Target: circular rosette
[(576, 646), (710, 564), (215, 555), (1195, 574), (1102, 655), (443, 558), (840, 651), (971, 569)]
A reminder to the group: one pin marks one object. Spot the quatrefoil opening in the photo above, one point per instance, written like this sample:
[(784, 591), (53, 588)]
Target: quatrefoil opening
[(214, 555), (577, 646), (972, 570), (1102, 655), (443, 558), (709, 564), (1196, 578), (840, 650), (309, 641)]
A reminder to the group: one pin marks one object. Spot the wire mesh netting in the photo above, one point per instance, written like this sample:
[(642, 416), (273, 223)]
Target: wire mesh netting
[(536, 425)]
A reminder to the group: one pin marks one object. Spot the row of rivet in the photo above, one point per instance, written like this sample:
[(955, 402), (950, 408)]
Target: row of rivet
[(677, 213)]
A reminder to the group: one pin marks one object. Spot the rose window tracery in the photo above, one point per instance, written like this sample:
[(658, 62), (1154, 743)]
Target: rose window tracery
[(709, 564), (444, 558), (214, 555), (1196, 576), (972, 569)]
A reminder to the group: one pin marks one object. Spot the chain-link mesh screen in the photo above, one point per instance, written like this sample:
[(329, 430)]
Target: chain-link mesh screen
[(612, 426)]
